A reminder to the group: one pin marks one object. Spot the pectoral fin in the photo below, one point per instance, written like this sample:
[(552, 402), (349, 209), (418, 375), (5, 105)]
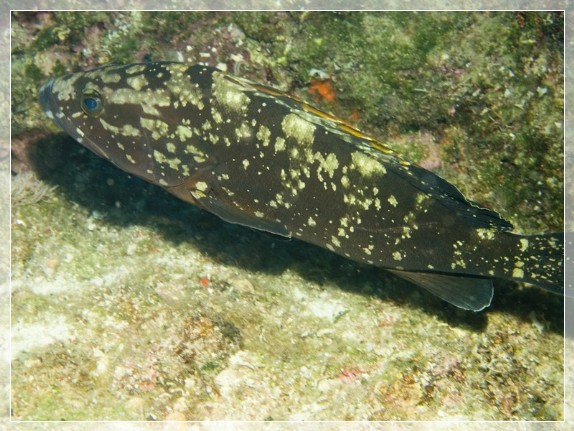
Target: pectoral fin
[(203, 189), (469, 293), (232, 214)]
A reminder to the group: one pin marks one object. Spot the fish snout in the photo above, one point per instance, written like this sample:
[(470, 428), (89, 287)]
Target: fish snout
[(45, 96)]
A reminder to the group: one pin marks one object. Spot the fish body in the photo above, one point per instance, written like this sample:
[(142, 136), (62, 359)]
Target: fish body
[(257, 157)]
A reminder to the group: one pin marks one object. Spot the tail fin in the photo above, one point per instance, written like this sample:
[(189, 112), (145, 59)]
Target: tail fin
[(535, 259), (540, 261)]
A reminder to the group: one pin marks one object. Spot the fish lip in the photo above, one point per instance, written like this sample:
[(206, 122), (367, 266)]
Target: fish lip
[(47, 101), (50, 105)]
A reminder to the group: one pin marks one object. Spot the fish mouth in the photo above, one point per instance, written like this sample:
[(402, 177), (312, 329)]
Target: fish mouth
[(47, 101), (51, 107)]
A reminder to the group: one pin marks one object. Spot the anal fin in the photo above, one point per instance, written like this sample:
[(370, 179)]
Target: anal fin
[(468, 293)]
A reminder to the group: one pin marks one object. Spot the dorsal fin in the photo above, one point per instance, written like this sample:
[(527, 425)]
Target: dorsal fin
[(449, 196)]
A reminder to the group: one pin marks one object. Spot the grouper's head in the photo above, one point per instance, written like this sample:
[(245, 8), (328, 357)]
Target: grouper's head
[(123, 114)]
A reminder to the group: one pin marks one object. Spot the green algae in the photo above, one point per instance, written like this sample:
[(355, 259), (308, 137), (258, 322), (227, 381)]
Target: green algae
[(172, 312)]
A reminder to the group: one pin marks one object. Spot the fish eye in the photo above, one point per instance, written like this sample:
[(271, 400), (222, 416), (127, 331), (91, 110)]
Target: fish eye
[(91, 103)]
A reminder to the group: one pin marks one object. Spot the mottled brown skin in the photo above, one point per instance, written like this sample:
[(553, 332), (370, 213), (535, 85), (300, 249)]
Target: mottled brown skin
[(257, 157)]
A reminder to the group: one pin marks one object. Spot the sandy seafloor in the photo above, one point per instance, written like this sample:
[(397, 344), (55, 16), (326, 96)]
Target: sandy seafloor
[(128, 305)]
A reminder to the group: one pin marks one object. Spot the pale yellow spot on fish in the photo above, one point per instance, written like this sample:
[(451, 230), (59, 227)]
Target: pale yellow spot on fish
[(198, 156), (397, 256), (329, 164), (420, 198), (486, 234), (229, 94), (201, 186), (162, 159), (148, 99), (460, 263), (129, 130), (368, 249), (64, 88), (183, 132), (243, 131), (157, 128), (345, 181), (279, 144), (216, 115), (206, 125), (109, 127), (214, 139), (111, 78), (125, 130), (392, 200), (517, 273), (263, 134), (523, 244), (406, 232), (170, 147), (185, 91), (349, 199), (158, 156), (138, 68), (366, 165), (137, 82), (298, 128)]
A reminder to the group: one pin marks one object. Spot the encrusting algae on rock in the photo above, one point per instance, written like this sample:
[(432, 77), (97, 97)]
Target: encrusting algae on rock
[(258, 157)]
